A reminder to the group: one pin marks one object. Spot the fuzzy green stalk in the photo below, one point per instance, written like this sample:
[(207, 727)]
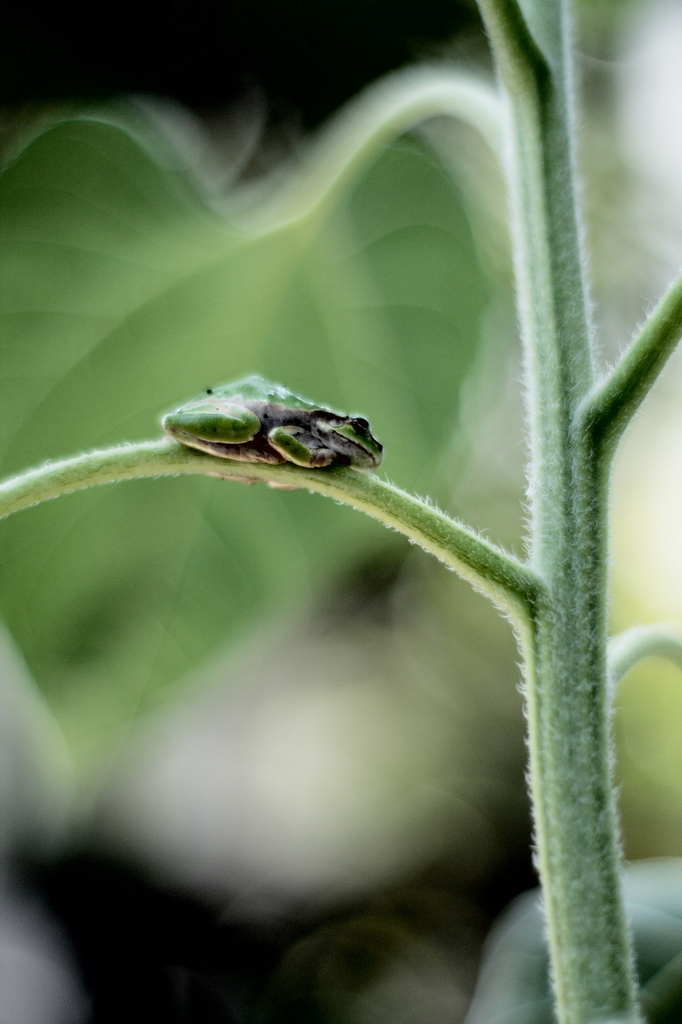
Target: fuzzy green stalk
[(570, 742), (512, 586)]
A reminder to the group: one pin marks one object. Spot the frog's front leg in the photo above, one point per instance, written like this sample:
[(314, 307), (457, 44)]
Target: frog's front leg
[(286, 441)]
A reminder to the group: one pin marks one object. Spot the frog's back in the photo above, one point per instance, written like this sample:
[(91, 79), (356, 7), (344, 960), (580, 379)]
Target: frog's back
[(256, 389)]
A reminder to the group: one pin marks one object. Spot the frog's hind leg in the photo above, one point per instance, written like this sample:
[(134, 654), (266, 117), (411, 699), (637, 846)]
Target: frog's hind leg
[(218, 422)]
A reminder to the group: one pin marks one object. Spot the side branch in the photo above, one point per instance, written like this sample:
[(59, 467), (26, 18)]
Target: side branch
[(632, 645), (608, 410), (511, 585)]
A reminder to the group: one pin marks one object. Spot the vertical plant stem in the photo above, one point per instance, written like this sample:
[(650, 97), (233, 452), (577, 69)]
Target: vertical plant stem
[(570, 744)]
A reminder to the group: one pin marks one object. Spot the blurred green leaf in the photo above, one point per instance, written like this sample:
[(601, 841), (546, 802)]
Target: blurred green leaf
[(124, 294), (513, 987)]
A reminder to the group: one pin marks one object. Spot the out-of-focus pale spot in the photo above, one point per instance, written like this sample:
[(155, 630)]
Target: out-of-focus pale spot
[(650, 90), (648, 725), (36, 783), (647, 587), (348, 774), (38, 982), (650, 703), (421, 985), (317, 780), (647, 511)]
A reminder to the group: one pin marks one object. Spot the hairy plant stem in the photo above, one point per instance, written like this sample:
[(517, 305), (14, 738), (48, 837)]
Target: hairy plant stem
[(570, 744), (512, 586)]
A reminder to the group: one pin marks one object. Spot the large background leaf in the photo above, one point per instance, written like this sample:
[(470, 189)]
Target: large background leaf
[(124, 294)]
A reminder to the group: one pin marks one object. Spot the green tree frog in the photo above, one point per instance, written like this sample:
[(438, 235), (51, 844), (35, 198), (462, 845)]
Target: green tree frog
[(253, 420)]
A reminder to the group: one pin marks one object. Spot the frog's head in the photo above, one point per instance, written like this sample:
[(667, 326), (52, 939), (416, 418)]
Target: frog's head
[(351, 437)]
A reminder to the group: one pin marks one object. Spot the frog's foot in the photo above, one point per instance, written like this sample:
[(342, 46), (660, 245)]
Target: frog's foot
[(285, 441)]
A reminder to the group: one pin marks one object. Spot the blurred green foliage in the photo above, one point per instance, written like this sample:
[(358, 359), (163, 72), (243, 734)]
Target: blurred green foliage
[(126, 291)]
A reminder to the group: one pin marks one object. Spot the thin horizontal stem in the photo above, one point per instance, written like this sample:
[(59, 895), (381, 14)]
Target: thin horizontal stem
[(632, 645), (609, 408), (510, 584)]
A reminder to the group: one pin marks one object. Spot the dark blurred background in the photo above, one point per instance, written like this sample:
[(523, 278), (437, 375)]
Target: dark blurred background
[(307, 58)]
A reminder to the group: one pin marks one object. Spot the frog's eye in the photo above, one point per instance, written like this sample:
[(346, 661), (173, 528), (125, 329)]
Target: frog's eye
[(359, 422)]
